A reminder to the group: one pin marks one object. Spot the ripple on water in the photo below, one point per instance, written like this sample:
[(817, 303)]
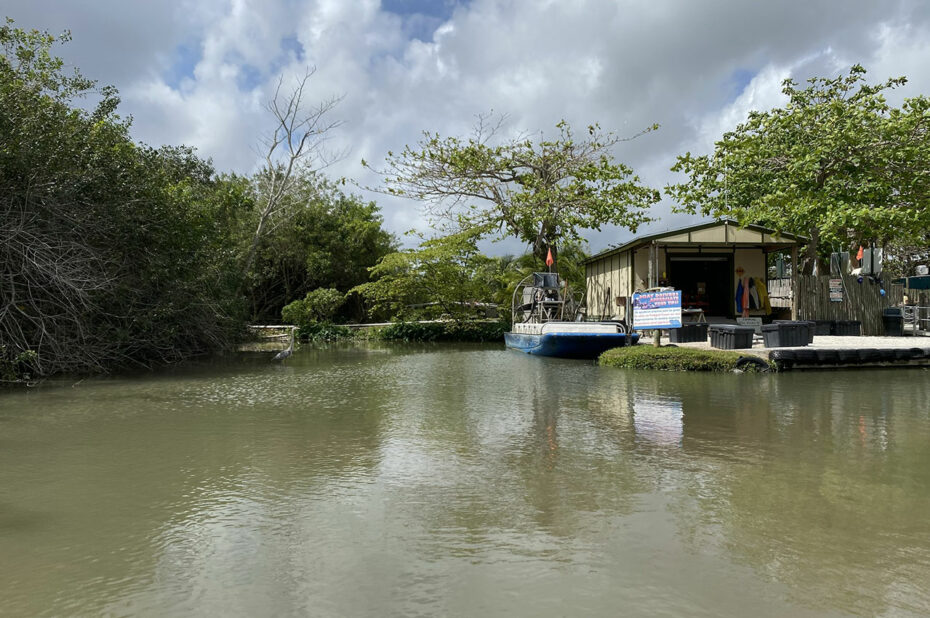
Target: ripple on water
[(440, 480)]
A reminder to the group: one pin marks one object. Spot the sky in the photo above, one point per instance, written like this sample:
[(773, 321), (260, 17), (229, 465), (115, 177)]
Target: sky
[(199, 72)]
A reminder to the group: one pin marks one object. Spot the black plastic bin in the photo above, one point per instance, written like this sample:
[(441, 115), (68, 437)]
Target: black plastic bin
[(809, 326), (688, 333), (824, 327), (730, 336), (848, 328), (785, 334), (893, 320)]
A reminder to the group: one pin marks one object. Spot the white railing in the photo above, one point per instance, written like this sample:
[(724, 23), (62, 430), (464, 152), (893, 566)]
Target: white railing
[(916, 320)]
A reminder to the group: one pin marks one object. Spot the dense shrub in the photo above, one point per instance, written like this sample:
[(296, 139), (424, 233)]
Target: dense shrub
[(324, 331), (444, 331), (676, 359), (323, 239), (320, 305), (16, 368)]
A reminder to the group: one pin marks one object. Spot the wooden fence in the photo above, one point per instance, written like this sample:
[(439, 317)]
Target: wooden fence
[(861, 301), (779, 292)]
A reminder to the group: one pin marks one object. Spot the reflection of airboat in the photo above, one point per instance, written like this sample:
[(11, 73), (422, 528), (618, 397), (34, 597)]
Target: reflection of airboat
[(546, 322)]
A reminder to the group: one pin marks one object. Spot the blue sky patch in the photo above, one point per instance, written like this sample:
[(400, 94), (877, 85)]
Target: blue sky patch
[(290, 49), (290, 44), (184, 60), (249, 77), (441, 9), (422, 17), (738, 81)]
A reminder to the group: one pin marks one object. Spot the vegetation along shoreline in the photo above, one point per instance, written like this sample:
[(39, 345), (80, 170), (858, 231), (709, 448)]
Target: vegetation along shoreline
[(119, 255)]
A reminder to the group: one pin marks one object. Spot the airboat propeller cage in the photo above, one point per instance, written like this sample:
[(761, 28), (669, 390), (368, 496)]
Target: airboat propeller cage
[(545, 322), (543, 297)]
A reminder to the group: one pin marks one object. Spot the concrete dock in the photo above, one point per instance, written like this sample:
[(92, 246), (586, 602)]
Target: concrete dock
[(830, 352)]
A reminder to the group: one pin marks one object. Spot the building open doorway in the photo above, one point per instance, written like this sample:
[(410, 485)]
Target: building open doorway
[(705, 282)]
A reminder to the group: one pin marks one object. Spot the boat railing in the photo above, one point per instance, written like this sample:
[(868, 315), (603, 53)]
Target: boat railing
[(580, 326)]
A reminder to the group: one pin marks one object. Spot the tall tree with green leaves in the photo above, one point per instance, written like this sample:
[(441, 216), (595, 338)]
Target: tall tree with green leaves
[(837, 163), (542, 191), (448, 272)]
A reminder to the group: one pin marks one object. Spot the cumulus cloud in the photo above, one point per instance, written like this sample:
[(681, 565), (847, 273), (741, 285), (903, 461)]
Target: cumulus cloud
[(199, 72)]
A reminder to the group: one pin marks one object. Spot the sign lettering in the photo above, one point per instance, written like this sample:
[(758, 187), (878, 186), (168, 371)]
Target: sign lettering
[(657, 310), (836, 290)]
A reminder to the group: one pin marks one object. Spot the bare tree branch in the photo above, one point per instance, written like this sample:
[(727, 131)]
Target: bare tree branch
[(296, 146)]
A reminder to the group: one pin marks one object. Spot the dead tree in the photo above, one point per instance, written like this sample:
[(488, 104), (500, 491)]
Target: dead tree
[(295, 147), (48, 278)]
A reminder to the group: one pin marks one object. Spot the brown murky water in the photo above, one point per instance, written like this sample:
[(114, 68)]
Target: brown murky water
[(466, 481)]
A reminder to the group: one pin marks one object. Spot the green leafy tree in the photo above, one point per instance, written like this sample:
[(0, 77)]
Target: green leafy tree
[(837, 163), (448, 273), (27, 61), (543, 192), (319, 305), (327, 239), (502, 274), (902, 258)]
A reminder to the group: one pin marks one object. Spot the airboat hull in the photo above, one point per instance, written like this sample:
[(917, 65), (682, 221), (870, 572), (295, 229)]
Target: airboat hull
[(544, 324), (568, 345)]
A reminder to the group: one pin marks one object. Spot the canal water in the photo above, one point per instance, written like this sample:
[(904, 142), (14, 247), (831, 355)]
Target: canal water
[(465, 481)]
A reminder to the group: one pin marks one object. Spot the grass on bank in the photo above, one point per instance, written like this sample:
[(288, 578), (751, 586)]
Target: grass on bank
[(682, 359)]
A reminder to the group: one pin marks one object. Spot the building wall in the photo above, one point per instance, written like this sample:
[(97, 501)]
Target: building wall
[(752, 261), (607, 279), (753, 264), (622, 274), (641, 267), (714, 235), (611, 276)]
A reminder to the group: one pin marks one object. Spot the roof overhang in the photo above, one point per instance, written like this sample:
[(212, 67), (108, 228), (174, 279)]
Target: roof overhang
[(702, 236), (917, 282)]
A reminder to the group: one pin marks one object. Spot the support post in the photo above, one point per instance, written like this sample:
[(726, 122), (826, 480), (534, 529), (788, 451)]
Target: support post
[(652, 272), (794, 282)]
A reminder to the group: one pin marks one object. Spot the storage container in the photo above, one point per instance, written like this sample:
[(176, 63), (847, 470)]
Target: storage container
[(730, 336), (824, 327), (848, 328), (893, 320), (785, 334), (809, 326), (688, 333)]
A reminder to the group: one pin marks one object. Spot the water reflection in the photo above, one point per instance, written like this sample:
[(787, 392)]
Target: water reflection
[(659, 421), (372, 480), (818, 489)]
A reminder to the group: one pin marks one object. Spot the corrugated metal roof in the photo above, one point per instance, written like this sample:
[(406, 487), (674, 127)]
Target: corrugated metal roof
[(641, 240)]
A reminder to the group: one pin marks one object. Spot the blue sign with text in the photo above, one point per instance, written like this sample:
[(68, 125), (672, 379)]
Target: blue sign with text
[(657, 310)]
